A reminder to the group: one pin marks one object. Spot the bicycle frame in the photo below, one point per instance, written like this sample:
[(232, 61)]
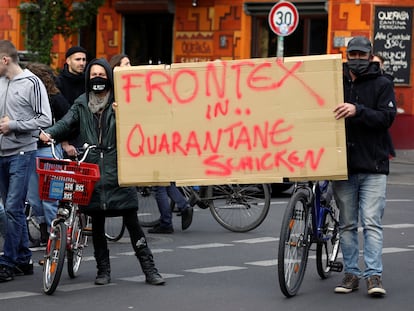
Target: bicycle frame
[(66, 213), (318, 211)]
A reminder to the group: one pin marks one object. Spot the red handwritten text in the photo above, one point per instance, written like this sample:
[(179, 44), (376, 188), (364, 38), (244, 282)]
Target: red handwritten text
[(168, 84), (237, 136), (218, 165)]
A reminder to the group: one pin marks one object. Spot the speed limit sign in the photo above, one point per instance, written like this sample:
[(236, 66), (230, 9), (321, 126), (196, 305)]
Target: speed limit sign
[(283, 18)]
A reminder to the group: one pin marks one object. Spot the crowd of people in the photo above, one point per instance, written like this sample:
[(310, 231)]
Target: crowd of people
[(77, 106)]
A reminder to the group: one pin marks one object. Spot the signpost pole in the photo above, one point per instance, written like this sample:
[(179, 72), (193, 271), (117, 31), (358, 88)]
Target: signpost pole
[(280, 48)]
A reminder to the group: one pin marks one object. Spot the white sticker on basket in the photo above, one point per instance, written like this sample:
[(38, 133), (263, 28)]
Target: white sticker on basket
[(69, 186), (80, 187), (67, 196)]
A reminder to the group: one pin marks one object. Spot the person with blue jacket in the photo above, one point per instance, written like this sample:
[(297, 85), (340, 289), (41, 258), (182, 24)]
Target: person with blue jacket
[(93, 115), (369, 110)]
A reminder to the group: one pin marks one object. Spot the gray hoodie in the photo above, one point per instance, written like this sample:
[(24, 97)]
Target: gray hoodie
[(25, 102)]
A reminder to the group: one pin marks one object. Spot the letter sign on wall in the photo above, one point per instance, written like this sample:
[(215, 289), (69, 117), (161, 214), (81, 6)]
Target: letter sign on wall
[(392, 40)]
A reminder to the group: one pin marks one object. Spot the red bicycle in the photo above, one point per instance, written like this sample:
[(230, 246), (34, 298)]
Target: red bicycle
[(72, 183)]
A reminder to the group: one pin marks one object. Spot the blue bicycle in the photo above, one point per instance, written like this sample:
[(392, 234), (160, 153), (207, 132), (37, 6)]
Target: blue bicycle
[(311, 216)]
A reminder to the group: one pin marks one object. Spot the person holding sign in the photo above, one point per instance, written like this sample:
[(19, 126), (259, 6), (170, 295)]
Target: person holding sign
[(93, 115), (369, 110)]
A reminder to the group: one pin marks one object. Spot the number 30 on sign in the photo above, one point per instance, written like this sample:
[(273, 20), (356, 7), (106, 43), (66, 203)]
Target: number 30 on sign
[(283, 18)]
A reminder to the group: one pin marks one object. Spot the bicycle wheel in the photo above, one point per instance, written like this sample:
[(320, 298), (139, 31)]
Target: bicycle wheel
[(54, 258), (294, 243), (78, 242), (239, 208), (148, 212), (328, 248), (33, 227), (114, 228)]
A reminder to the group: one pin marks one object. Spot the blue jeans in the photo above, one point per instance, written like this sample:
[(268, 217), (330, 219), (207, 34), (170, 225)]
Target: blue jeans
[(45, 211), (3, 220), (361, 196), (175, 195), (14, 176)]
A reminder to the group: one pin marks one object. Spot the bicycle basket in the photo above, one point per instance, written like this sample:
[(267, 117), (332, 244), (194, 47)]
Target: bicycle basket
[(66, 180)]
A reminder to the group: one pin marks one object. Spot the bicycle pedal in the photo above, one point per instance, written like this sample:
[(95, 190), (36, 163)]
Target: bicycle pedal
[(336, 266)]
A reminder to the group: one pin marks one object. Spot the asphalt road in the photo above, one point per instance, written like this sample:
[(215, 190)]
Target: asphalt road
[(209, 268)]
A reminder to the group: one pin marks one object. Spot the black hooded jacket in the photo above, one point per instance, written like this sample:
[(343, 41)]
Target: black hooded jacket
[(368, 140), (99, 129), (70, 85)]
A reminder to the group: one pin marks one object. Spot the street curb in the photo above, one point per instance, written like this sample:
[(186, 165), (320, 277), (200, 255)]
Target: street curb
[(404, 156)]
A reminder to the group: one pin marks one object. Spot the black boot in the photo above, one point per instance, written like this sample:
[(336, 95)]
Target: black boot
[(146, 260), (103, 276), (44, 233)]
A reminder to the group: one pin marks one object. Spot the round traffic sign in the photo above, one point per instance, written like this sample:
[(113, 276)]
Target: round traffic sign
[(283, 18)]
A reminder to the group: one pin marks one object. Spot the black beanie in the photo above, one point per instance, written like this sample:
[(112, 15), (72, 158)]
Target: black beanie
[(75, 49)]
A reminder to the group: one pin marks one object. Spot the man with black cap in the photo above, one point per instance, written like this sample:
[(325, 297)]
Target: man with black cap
[(71, 80), (369, 110), (71, 83)]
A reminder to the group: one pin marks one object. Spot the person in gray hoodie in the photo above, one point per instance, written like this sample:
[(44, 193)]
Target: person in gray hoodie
[(24, 108)]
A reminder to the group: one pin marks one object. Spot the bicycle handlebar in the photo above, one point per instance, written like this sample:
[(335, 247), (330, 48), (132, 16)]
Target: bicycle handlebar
[(86, 147)]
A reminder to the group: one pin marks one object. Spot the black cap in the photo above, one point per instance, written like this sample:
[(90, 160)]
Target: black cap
[(359, 43), (73, 50)]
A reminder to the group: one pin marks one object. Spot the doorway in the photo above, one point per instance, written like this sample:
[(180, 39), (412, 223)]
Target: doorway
[(309, 38), (148, 38)]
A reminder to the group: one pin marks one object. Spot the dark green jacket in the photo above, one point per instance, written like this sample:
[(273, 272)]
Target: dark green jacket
[(99, 130)]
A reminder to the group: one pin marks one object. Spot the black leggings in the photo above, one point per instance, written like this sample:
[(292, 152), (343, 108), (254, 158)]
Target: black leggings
[(131, 222)]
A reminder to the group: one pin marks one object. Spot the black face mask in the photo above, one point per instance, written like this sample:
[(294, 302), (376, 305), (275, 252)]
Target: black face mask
[(358, 66), (99, 84)]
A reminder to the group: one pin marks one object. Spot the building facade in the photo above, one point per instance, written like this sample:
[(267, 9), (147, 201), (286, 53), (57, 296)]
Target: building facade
[(389, 25), (167, 31)]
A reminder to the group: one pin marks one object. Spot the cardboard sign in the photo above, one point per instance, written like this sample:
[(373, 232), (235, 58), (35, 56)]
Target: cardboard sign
[(241, 121)]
